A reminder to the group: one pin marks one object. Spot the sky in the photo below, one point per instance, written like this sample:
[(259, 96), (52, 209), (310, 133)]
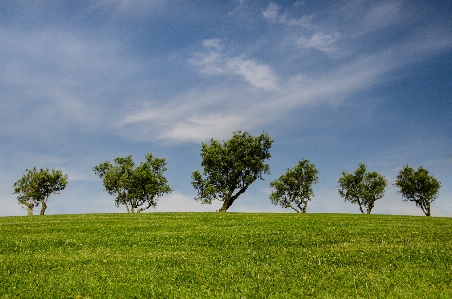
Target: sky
[(334, 82)]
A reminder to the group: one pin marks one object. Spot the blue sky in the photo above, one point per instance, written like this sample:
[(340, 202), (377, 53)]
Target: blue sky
[(335, 82)]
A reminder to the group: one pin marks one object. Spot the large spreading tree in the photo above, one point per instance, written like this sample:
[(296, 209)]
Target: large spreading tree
[(134, 186), (363, 188), (418, 186), (294, 188), (230, 167), (35, 187)]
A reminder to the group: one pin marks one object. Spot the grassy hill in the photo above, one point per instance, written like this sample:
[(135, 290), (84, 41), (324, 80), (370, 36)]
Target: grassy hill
[(232, 255)]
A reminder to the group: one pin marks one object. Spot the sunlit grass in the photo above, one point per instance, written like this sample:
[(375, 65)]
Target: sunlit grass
[(196, 255)]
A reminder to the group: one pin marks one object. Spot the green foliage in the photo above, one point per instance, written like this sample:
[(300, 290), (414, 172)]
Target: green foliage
[(35, 187), (230, 167), (295, 187), (217, 255), (418, 186), (363, 188), (134, 187)]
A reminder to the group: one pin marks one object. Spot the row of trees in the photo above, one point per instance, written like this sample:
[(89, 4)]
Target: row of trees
[(230, 167)]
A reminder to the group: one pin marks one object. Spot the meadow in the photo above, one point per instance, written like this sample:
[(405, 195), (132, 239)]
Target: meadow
[(225, 255)]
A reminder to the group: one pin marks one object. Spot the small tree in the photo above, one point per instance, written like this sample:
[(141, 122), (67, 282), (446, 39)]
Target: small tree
[(134, 187), (418, 186), (295, 187), (363, 188), (230, 167), (35, 187)]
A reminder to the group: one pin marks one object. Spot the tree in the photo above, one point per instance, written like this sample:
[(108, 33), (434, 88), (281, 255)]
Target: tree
[(418, 186), (363, 188), (134, 187), (35, 187), (230, 167), (294, 187)]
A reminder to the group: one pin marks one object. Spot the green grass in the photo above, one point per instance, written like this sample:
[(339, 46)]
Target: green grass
[(204, 255)]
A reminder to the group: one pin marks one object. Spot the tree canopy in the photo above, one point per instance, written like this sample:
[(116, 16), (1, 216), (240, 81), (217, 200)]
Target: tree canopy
[(418, 186), (363, 188), (294, 188), (35, 187), (230, 167), (134, 186)]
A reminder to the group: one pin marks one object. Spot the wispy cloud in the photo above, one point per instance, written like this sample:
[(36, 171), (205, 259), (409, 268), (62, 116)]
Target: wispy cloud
[(213, 62), (201, 114), (56, 80)]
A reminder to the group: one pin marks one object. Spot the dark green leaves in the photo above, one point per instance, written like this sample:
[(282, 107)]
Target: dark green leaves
[(418, 186), (293, 189), (230, 167), (363, 188), (134, 186)]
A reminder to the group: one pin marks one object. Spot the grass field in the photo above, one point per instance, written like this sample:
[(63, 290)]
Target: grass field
[(232, 255)]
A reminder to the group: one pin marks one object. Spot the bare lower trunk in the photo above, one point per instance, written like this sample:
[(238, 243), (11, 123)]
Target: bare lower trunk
[(127, 207), (360, 206), (288, 205), (149, 205), (30, 207), (226, 205), (43, 207), (227, 202), (369, 208), (361, 209), (426, 208), (304, 208)]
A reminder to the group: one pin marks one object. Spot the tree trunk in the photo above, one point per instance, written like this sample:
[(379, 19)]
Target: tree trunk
[(288, 205), (142, 209), (30, 207), (43, 207), (360, 206), (427, 209), (127, 207), (227, 203), (304, 208)]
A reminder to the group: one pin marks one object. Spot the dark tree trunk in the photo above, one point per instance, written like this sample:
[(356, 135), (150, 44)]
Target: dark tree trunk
[(427, 209), (361, 209), (226, 205), (43, 207), (304, 208), (288, 205), (231, 198)]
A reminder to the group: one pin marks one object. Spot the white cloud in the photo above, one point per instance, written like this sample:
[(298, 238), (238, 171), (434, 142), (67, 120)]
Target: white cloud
[(178, 202), (55, 80), (202, 128), (202, 113), (322, 42), (272, 12), (213, 62), (258, 75), (212, 43)]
